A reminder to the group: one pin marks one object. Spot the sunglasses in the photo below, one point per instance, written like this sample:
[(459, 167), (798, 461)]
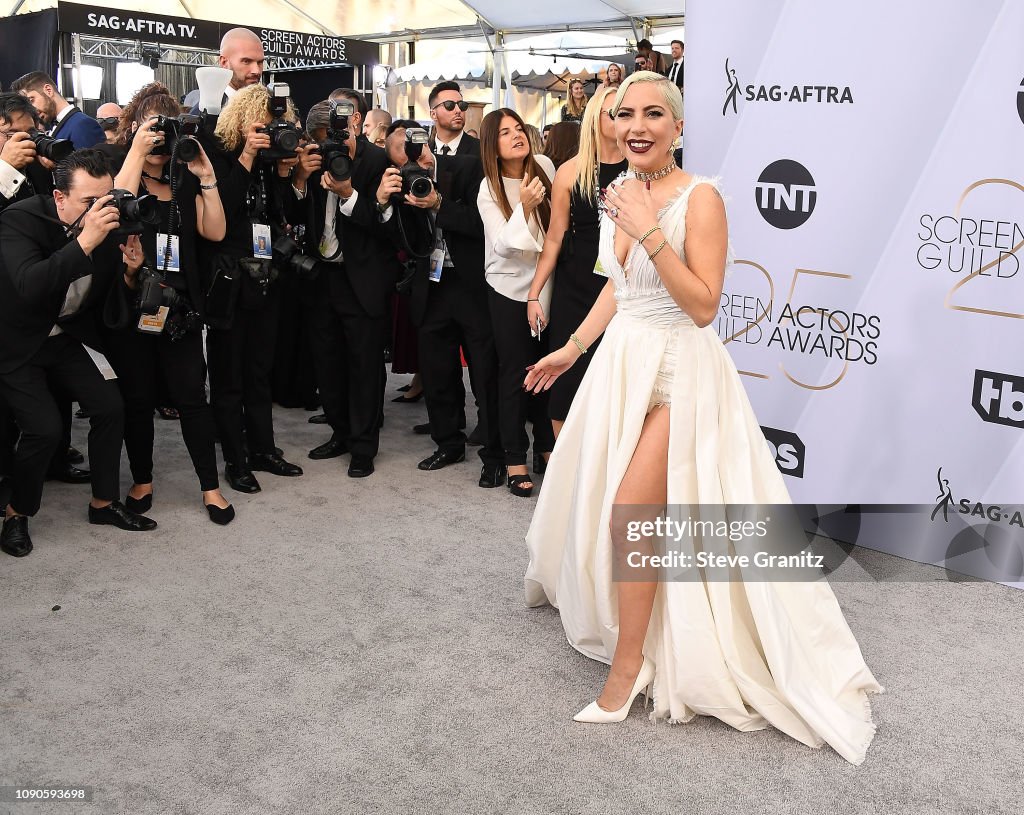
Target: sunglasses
[(449, 105), (108, 122)]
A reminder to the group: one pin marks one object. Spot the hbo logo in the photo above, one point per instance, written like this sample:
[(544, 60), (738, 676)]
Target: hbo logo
[(999, 398)]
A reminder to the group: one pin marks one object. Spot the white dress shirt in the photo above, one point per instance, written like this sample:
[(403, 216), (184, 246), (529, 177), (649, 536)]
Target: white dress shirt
[(330, 247), (453, 145), (512, 248), (10, 180)]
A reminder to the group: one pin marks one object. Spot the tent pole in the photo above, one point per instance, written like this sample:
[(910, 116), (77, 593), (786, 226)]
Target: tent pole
[(77, 71), (499, 67)]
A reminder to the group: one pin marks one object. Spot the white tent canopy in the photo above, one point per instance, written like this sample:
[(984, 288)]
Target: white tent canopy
[(392, 20)]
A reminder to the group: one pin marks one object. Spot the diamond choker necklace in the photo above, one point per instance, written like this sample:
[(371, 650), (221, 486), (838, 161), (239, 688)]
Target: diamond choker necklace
[(649, 177)]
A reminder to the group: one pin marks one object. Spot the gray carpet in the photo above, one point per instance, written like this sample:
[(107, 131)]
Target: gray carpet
[(361, 646)]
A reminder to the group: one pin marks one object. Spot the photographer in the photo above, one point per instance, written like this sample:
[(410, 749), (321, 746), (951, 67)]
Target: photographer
[(242, 304), (162, 339), (57, 265), (449, 296), (22, 175), (62, 119), (356, 270)]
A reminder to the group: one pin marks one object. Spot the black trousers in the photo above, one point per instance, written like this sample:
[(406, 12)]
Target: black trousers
[(455, 317), (241, 360), (62, 364), (151, 368), (348, 358), (9, 433), (517, 349)]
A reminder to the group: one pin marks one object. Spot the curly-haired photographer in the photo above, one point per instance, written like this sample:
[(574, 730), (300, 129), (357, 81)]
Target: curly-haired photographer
[(255, 129), (160, 336)]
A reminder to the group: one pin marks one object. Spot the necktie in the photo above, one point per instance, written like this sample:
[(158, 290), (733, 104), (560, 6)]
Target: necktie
[(445, 149), (675, 67)]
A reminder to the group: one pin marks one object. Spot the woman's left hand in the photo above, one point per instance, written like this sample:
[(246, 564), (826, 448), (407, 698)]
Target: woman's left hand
[(201, 167), (631, 206), (131, 254)]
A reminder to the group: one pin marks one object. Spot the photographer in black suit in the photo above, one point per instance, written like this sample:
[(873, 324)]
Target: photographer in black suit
[(449, 297), (22, 175), (356, 271), (241, 306), (57, 265)]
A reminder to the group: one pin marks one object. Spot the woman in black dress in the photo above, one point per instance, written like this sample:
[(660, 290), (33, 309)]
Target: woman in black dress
[(576, 103), (570, 249)]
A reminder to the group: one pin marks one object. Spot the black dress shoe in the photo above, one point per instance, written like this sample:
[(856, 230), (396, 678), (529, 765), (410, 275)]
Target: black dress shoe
[(75, 456), (421, 429), (274, 464), (329, 449), (407, 400), (476, 438), (442, 458), (360, 466), (221, 516), (139, 505), (14, 539), (69, 474), (241, 480), (492, 475), (320, 418), (117, 514)]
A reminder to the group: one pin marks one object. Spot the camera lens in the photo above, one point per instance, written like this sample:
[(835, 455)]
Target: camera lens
[(188, 149), (288, 140), (421, 187), (340, 167)]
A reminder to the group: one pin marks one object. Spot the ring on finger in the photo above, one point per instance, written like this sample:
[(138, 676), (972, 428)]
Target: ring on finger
[(613, 211)]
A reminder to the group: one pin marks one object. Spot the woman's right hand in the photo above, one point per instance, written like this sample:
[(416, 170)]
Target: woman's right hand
[(256, 141), (145, 139), (535, 313), (542, 374)]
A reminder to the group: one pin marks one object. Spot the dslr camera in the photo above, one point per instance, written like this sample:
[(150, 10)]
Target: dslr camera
[(416, 181), (288, 257), (49, 147), (154, 293), (284, 136), (336, 159), (181, 132), (133, 211)]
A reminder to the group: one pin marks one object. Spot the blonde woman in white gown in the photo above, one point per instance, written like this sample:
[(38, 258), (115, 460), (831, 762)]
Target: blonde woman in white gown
[(662, 418)]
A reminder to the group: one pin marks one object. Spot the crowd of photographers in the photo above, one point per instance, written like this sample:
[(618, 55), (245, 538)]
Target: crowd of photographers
[(128, 239)]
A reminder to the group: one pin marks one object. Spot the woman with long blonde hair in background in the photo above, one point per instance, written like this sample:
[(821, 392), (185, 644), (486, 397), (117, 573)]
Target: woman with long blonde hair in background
[(570, 248), (576, 103)]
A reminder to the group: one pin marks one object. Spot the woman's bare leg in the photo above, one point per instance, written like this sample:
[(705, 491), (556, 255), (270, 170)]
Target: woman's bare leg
[(644, 484)]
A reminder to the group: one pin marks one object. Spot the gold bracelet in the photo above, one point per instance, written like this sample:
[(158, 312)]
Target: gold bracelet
[(579, 344), (649, 232), (655, 252)]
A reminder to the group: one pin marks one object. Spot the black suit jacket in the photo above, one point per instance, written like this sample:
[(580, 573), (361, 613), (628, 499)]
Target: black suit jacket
[(371, 265), (37, 266), (679, 74), (458, 181), (40, 182), (469, 146)]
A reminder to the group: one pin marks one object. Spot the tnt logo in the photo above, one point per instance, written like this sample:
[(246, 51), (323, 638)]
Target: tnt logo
[(785, 194), (999, 398), (787, 449)]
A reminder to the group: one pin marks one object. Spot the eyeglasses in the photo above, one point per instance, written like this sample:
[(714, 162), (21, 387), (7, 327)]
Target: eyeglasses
[(449, 105)]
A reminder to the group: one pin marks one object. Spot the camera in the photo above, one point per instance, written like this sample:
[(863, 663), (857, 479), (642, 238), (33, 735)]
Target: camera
[(288, 257), (416, 181), (134, 212), (180, 131), (284, 136), (154, 294), (49, 147), (336, 159)]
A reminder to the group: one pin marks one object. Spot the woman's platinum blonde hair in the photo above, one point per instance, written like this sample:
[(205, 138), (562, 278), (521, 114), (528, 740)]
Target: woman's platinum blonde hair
[(249, 105), (673, 98), (589, 156)]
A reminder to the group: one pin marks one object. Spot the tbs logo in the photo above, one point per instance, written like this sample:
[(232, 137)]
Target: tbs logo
[(787, 449), (999, 398)]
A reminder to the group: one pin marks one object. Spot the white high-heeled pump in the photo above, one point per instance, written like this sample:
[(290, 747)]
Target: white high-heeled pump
[(595, 714)]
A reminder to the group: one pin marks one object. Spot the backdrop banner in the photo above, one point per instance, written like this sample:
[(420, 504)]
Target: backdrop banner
[(872, 161)]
